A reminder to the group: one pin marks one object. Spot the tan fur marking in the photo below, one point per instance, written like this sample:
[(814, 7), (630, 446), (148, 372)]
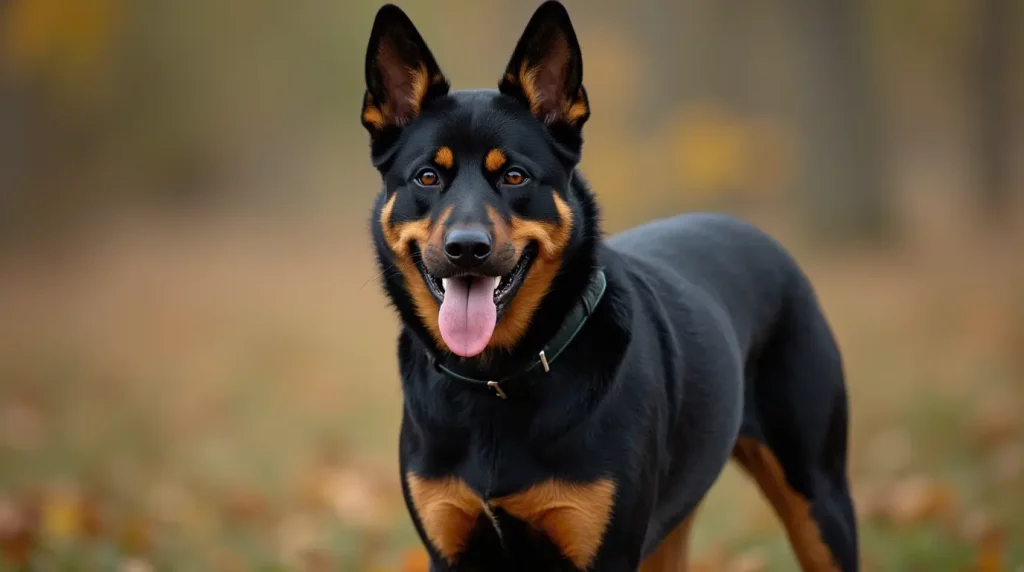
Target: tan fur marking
[(792, 508), (577, 109), (445, 158), (420, 84), (372, 114), (672, 555), (526, 79), (448, 510), (571, 110), (417, 84), (552, 239), (399, 237), (494, 160), (573, 515)]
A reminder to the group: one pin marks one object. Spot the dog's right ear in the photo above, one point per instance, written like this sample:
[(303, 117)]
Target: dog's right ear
[(401, 76)]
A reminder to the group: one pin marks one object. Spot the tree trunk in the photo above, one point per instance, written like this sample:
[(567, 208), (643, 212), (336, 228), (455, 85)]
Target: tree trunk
[(845, 193), (991, 105)]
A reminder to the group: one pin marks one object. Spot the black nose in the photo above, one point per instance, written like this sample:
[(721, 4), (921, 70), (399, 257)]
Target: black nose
[(467, 247)]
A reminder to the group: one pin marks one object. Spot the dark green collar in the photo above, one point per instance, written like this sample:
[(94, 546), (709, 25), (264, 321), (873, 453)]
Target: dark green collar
[(563, 337)]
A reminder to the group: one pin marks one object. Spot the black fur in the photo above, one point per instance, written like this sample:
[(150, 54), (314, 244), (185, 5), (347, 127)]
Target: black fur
[(708, 331)]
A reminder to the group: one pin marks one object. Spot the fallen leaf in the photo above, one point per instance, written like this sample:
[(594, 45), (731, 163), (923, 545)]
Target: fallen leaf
[(751, 561), (137, 535), (919, 498), (1006, 464), (63, 516), (415, 560), (889, 452), (990, 551), (298, 535), (17, 531), (995, 419), (135, 565)]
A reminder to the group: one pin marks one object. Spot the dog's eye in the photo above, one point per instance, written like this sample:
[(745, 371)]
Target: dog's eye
[(427, 178), (515, 177)]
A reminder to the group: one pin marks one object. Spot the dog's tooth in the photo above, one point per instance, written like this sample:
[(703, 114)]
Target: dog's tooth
[(444, 284), (497, 280)]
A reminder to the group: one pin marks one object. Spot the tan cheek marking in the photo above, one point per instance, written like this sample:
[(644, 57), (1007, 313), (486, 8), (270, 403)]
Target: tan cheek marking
[(448, 510), (792, 508), (399, 237), (551, 239), (574, 516), (494, 160), (445, 158)]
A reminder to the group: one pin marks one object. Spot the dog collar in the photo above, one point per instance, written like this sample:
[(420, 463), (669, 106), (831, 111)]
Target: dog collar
[(572, 325)]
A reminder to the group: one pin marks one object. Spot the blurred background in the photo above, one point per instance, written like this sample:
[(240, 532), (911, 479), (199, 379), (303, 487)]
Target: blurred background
[(197, 364)]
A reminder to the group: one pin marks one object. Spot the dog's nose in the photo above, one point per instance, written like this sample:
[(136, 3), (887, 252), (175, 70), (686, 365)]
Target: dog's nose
[(467, 247)]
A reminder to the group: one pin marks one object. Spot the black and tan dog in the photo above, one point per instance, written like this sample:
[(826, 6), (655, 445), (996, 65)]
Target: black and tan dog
[(569, 400)]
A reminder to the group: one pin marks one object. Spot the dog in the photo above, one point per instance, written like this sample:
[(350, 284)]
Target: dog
[(568, 400)]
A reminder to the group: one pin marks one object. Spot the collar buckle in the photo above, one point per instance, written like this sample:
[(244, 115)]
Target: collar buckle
[(544, 361), (497, 389)]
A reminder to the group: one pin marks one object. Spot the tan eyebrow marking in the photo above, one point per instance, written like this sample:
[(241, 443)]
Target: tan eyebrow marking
[(494, 160), (445, 158)]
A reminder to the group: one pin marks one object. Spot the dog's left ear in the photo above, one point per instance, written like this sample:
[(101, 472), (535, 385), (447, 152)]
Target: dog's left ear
[(401, 76), (546, 71)]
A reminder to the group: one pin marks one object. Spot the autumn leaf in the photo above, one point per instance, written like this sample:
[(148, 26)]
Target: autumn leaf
[(415, 560)]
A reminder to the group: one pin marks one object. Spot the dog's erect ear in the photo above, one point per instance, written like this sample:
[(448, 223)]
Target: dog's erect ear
[(401, 74), (546, 70)]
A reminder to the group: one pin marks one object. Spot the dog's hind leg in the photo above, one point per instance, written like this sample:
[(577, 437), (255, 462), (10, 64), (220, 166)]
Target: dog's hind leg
[(794, 439), (672, 555)]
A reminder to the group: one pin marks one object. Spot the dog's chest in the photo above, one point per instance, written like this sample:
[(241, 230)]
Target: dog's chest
[(570, 515)]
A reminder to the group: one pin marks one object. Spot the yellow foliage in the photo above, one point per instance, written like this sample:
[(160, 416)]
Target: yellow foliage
[(57, 39), (62, 515), (714, 151)]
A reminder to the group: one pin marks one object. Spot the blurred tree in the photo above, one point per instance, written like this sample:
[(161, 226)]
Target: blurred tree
[(845, 192), (991, 84)]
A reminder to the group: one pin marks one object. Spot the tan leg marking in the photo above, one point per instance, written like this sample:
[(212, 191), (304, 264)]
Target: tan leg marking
[(672, 555), (792, 508)]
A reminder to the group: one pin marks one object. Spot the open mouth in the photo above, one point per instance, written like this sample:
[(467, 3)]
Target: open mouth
[(471, 303), (504, 287)]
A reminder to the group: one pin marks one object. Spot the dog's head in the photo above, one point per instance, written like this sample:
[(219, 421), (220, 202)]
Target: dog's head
[(476, 217)]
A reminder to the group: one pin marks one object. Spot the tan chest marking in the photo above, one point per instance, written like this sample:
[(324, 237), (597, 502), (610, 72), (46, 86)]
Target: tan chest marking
[(573, 516), (448, 510)]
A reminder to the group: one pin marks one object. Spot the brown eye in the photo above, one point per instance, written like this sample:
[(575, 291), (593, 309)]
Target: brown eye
[(428, 178), (515, 177)]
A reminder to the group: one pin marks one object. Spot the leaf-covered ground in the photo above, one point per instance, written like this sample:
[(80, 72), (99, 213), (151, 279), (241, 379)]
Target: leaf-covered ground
[(221, 395)]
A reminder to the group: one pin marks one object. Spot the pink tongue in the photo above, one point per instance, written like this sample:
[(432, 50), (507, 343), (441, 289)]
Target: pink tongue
[(468, 315)]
